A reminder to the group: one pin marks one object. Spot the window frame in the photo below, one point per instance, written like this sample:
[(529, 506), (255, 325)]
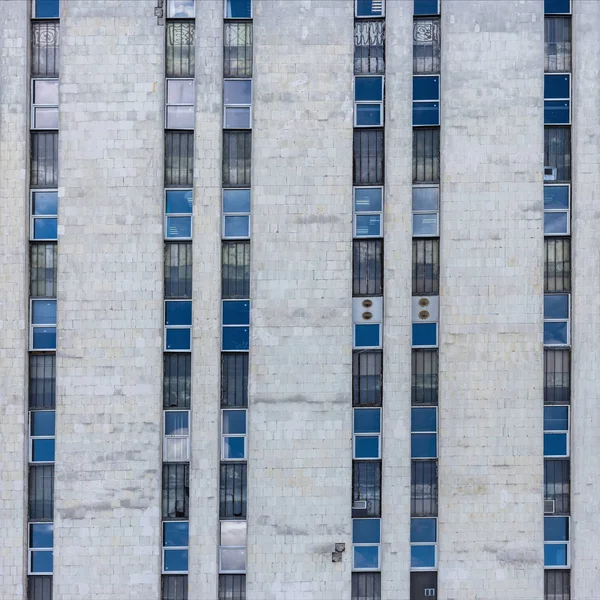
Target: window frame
[(370, 434), (227, 18), (366, 544), (33, 218), (31, 549), (566, 543), (379, 16), (380, 103), (222, 546), (32, 438), (565, 432), (170, 16), (426, 212), (248, 106), (224, 435), (178, 327), (437, 335), (171, 215), (170, 104), (433, 544), (380, 333), (428, 432), (356, 213), (33, 327), (422, 14), (166, 548), (35, 105), (553, 99), (237, 325), (567, 210), (566, 320), (34, 12), (428, 101), (559, 13), (225, 215), (166, 437)]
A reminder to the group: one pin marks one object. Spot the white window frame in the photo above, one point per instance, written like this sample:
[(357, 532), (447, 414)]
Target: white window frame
[(169, 13), (234, 435), (567, 321), (166, 438), (429, 101), (224, 547), (565, 432), (437, 335), (560, 210), (367, 212), (369, 16), (32, 327), (426, 212), (31, 550), (566, 543), (367, 545), (559, 99), (224, 215), (379, 346), (238, 18), (224, 326), (33, 218), (437, 437), (356, 435), (248, 106), (169, 104), (32, 438), (34, 15), (434, 544), (169, 215), (35, 105), (167, 327), (368, 102), (166, 548)]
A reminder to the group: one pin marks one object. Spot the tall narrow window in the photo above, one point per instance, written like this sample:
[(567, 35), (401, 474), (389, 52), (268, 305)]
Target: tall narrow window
[(180, 51), (178, 270), (426, 46), (179, 158), (423, 432), (177, 380), (44, 215), (179, 111), (174, 587), (424, 389), (237, 51), (39, 587), (175, 491), (426, 267), (232, 587), (42, 381), (426, 100), (236, 213), (43, 325), (236, 325), (557, 265), (367, 377), (41, 543), (232, 551), (44, 104), (367, 268), (178, 214), (232, 493), (237, 103), (423, 542), (426, 155), (424, 488), (366, 586), (41, 492), (557, 486), (557, 584), (45, 48), (44, 159), (366, 539), (557, 376), (369, 50), (557, 154), (556, 209), (556, 319), (176, 443), (557, 44), (557, 99), (425, 209), (368, 157), (237, 151), (366, 488), (178, 325), (42, 270), (175, 546), (556, 542), (234, 380)]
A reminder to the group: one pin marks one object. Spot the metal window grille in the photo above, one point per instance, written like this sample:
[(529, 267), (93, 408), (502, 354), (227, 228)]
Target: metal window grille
[(178, 270), (232, 497), (42, 381), (557, 44), (41, 492), (426, 155), (177, 380), (45, 48), (557, 265), (44, 159), (367, 268), (237, 151), (557, 584), (366, 586), (42, 270), (369, 47), (366, 486), (424, 389), (235, 270), (557, 151), (39, 587), (180, 51), (423, 488), (426, 267), (179, 158), (557, 376), (368, 157), (557, 484), (174, 587), (237, 50), (367, 377), (175, 491), (234, 379), (232, 587), (426, 46)]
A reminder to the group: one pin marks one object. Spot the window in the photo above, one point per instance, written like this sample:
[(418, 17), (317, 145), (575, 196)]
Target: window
[(41, 436), (175, 491), (178, 325), (232, 550), (177, 380), (366, 488), (41, 543), (369, 54), (423, 539), (180, 50), (557, 265), (368, 209), (370, 8), (45, 48), (238, 9), (234, 380), (42, 270), (367, 378), (236, 213), (237, 50), (234, 429), (180, 104), (426, 155), (426, 100), (44, 210), (237, 101), (44, 159), (556, 542), (43, 325), (41, 492), (426, 267), (180, 9), (367, 335), (557, 99), (367, 268), (42, 381), (557, 585), (39, 587), (236, 325), (556, 319), (178, 214), (367, 433), (557, 154), (557, 7), (366, 537), (232, 587), (366, 586), (178, 270), (425, 211), (424, 380), (426, 7), (235, 269), (44, 104), (556, 209), (426, 46), (556, 431), (557, 376), (368, 157), (174, 587), (176, 446), (423, 438), (423, 488), (233, 490), (179, 159), (175, 546), (557, 484), (368, 101), (424, 335), (237, 151), (423, 584), (557, 44), (46, 9)]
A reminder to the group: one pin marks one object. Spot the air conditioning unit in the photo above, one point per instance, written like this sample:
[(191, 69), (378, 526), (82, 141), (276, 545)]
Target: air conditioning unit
[(367, 310), (359, 505), (549, 507), (425, 309), (549, 173)]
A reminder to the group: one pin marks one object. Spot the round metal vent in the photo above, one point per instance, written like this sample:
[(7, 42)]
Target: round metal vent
[(423, 301), (367, 315), (367, 303), (424, 314)]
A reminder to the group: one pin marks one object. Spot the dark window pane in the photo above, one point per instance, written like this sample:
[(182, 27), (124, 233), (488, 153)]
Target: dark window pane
[(237, 151), (366, 487), (366, 586), (179, 158), (368, 157), (557, 484), (424, 388), (426, 155), (44, 159), (367, 378), (39, 587), (423, 585), (232, 497), (426, 46), (369, 49), (557, 6), (424, 489), (426, 7), (426, 267), (178, 270), (557, 377), (177, 380), (234, 380), (557, 584), (45, 47), (175, 491), (41, 492), (557, 265), (367, 268), (232, 587), (42, 270), (235, 270), (238, 9), (557, 151), (174, 587), (180, 52), (557, 44), (42, 380), (237, 51)]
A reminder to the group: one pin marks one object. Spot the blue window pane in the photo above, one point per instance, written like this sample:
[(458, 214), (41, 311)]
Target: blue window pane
[(234, 421), (423, 419), (366, 557), (426, 88), (555, 555), (237, 227), (42, 561), (422, 557), (236, 312), (236, 201), (556, 197), (366, 336), (41, 535), (423, 445), (44, 338), (556, 529), (46, 9), (367, 420), (555, 444), (179, 339), (234, 447), (178, 313), (556, 223), (425, 224), (367, 200), (45, 203), (369, 8), (239, 9), (42, 423), (425, 198), (368, 225), (45, 229), (424, 334), (557, 7), (422, 530), (176, 560), (236, 338), (555, 334), (556, 418), (176, 422), (366, 446), (556, 86), (368, 89), (179, 202), (175, 533), (44, 312), (556, 112), (368, 114), (42, 450), (366, 531), (179, 227), (556, 306), (426, 7), (426, 113)]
